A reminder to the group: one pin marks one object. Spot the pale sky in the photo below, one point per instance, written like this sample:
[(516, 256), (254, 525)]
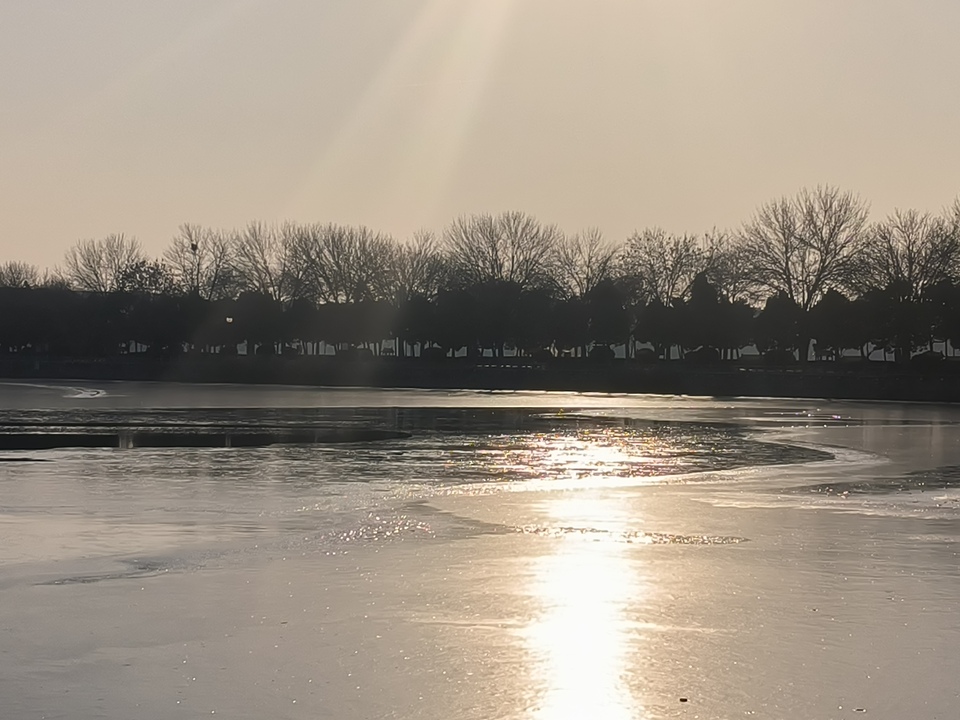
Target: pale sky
[(135, 117)]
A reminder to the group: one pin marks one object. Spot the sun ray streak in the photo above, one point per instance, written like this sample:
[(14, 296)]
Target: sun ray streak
[(457, 94), (436, 77)]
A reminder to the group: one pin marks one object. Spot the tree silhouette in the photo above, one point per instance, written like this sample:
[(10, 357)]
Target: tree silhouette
[(509, 283), (343, 264), (896, 321), (457, 317), (100, 265), (802, 247), (158, 321), (264, 261), (658, 325), (15, 274), (258, 321), (533, 331), (497, 320), (301, 323), (778, 328), (942, 303), (508, 248), (570, 326), (912, 251), (417, 268), (200, 260), (701, 317), (735, 327), (416, 323), (831, 322), (147, 276), (662, 267), (584, 261), (609, 320)]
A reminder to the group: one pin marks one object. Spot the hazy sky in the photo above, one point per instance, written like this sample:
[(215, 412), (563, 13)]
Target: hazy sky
[(137, 116)]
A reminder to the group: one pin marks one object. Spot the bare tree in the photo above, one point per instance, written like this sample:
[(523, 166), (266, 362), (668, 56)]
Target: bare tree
[(729, 267), (952, 215), (510, 247), (200, 260), (295, 281), (804, 246), (912, 251), (661, 266), (19, 274), (96, 265), (417, 267), (583, 261), (265, 260), (341, 263), (55, 278)]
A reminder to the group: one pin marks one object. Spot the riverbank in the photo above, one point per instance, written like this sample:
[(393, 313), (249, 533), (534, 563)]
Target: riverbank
[(936, 382)]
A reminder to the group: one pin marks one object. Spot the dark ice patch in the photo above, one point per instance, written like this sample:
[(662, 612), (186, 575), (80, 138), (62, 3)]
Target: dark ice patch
[(941, 478)]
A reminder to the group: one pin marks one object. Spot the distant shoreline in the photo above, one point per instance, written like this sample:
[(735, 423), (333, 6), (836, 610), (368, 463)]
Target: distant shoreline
[(938, 382)]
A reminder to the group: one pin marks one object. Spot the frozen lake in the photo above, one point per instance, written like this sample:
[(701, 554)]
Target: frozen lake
[(511, 555)]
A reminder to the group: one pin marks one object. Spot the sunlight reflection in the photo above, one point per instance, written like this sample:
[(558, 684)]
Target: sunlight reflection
[(589, 459), (581, 640)]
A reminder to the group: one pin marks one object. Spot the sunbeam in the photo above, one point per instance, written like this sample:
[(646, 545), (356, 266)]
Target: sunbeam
[(428, 89)]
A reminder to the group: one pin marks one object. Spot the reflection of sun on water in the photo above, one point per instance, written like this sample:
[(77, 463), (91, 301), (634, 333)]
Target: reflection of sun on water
[(588, 459), (581, 640)]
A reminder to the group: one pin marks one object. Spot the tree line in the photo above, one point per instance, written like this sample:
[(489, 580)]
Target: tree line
[(809, 272)]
